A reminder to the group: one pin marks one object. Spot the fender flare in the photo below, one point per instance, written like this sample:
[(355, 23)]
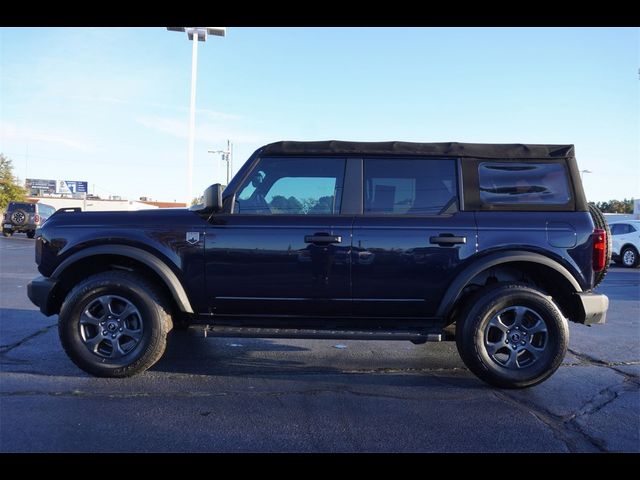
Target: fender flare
[(154, 263), (464, 277)]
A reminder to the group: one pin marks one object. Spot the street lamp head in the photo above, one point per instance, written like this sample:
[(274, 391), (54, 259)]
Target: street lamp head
[(201, 32)]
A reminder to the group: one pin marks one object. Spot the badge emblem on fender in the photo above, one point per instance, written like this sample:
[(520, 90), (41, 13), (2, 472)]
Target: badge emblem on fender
[(193, 237)]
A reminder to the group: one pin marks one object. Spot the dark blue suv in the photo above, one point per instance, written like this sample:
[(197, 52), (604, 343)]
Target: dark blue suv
[(494, 246)]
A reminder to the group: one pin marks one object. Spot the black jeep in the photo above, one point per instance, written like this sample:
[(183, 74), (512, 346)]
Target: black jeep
[(25, 217), (491, 245)]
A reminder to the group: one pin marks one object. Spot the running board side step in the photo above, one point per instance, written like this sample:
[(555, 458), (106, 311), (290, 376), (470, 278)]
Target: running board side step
[(417, 336)]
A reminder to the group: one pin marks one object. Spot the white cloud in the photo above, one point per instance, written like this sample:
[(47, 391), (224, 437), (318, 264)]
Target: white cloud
[(207, 132), (9, 132), (97, 98)]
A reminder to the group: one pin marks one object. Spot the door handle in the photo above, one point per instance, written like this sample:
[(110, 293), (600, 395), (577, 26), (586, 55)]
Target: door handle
[(322, 239), (447, 240)]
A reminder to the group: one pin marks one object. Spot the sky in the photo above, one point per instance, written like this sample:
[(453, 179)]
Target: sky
[(110, 106)]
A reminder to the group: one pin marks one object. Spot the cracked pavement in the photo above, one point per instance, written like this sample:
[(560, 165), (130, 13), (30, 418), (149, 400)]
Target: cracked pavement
[(255, 395)]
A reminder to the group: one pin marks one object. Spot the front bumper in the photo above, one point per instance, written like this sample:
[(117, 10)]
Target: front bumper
[(594, 308), (39, 291)]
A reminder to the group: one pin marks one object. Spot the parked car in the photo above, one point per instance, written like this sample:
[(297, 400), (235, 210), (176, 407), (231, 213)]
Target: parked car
[(626, 242), (25, 217), (494, 246)]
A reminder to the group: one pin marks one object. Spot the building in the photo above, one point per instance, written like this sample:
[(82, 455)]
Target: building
[(98, 205)]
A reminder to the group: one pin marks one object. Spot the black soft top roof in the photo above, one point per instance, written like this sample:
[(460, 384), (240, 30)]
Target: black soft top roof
[(447, 149)]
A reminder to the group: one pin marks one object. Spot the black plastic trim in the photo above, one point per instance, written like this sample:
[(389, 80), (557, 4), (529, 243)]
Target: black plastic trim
[(455, 289), (39, 292), (158, 266), (352, 194)]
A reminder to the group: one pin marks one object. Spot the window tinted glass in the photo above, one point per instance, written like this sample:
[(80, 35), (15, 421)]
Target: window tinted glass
[(45, 210), (411, 187), (543, 183), (293, 186), (621, 229), (27, 207)]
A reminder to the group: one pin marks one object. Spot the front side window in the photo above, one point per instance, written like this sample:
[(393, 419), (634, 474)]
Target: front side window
[(527, 183), (409, 186), (292, 186)]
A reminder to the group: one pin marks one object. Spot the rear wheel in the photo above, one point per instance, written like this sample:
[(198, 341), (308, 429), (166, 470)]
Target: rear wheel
[(7, 233), (31, 233), (512, 336), (601, 223), (114, 324), (630, 258)]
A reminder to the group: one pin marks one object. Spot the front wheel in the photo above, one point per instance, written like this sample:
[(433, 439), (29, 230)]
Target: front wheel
[(630, 258), (31, 233), (512, 336), (114, 324)]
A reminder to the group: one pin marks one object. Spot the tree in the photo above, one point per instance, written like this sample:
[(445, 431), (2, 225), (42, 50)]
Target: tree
[(615, 206), (10, 190)]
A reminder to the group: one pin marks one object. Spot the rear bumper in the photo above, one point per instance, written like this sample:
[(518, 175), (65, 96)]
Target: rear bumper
[(39, 291), (17, 228), (594, 308)]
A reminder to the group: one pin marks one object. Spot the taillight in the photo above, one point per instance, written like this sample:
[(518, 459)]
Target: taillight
[(36, 218), (599, 249)]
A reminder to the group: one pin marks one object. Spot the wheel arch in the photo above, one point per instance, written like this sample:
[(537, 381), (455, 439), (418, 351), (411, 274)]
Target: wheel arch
[(541, 271), (107, 257)]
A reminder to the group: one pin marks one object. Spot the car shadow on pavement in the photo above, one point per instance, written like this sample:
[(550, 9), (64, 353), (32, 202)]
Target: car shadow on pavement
[(263, 358)]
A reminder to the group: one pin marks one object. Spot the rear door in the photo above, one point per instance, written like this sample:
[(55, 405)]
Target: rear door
[(410, 238)]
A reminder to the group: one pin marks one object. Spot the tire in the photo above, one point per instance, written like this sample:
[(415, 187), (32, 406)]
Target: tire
[(600, 222), (486, 331), (19, 217), (31, 233), (139, 323), (629, 257), (7, 233)]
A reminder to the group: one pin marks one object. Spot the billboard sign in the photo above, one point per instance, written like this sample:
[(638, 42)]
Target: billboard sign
[(38, 186), (71, 186)]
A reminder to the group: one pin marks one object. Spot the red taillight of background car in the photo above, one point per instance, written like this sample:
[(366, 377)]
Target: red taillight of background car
[(36, 218), (599, 249)]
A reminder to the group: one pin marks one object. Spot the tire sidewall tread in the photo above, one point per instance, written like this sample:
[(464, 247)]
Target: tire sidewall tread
[(481, 307), (636, 258), (144, 295)]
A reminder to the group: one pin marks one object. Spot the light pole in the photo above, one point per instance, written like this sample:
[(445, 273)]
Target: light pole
[(584, 171), (195, 34), (226, 157)]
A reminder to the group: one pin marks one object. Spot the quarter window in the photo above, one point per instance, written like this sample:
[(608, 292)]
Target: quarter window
[(527, 183)]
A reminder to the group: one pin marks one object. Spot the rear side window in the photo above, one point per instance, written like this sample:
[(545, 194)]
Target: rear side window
[(524, 183), (622, 229), (409, 186)]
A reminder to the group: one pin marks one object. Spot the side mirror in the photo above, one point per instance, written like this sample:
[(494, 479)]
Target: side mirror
[(211, 199)]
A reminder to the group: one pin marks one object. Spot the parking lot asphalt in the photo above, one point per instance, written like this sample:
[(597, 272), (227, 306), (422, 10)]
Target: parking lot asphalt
[(254, 395)]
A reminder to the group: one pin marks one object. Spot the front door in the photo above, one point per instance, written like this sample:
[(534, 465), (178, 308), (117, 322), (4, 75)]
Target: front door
[(284, 250), (410, 239)]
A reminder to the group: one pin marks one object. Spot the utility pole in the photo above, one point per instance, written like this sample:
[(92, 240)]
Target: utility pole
[(226, 156), (195, 35)]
